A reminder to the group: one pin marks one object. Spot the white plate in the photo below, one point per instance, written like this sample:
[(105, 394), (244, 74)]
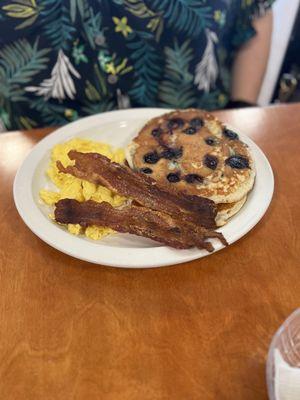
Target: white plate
[(122, 250)]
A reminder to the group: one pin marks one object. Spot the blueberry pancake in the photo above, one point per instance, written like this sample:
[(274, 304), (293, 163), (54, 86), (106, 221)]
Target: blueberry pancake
[(196, 153)]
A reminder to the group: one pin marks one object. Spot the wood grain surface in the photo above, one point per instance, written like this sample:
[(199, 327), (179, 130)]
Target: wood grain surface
[(201, 330)]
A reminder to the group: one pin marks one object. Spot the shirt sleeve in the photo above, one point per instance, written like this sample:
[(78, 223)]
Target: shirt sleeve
[(248, 11)]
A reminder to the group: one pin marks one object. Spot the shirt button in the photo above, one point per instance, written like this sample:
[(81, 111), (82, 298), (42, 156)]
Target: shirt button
[(112, 79), (99, 40)]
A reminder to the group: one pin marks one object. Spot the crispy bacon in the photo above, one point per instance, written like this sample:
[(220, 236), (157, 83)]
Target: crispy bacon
[(136, 220), (98, 169)]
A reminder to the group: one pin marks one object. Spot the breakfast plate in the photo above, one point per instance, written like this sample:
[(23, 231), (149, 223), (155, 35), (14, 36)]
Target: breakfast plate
[(118, 128)]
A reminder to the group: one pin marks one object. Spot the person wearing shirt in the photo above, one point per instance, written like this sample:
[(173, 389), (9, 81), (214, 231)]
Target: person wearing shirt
[(65, 59)]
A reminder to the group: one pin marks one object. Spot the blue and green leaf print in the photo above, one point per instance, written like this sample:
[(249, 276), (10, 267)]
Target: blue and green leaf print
[(76, 5), (20, 62), (52, 114), (92, 25), (147, 64), (63, 59), (91, 22), (56, 24), (177, 89), (187, 16), (99, 107)]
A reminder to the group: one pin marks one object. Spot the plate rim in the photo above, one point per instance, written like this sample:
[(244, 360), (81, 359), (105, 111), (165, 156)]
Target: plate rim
[(170, 256)]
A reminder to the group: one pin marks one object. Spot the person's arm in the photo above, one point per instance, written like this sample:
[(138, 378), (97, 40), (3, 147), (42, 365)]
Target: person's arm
[(251, 61)]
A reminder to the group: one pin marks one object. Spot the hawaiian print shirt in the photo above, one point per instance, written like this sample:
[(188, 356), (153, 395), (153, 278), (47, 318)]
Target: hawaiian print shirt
[(63, 59)]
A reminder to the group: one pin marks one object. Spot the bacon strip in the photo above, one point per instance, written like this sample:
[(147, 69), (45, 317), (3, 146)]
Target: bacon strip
[(136, 220), (98, 169)]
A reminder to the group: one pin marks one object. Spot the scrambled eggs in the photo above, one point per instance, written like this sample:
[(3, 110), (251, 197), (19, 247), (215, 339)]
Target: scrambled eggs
[(70, 187)]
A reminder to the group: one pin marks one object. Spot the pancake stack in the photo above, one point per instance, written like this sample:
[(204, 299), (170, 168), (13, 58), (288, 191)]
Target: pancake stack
[(196, 154)]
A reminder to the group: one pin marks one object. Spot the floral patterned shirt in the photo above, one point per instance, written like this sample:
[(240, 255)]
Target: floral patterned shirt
[(63, 59)]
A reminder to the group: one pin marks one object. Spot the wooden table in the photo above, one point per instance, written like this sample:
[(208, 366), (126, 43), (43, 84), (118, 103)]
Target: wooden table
[(201, 330)]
